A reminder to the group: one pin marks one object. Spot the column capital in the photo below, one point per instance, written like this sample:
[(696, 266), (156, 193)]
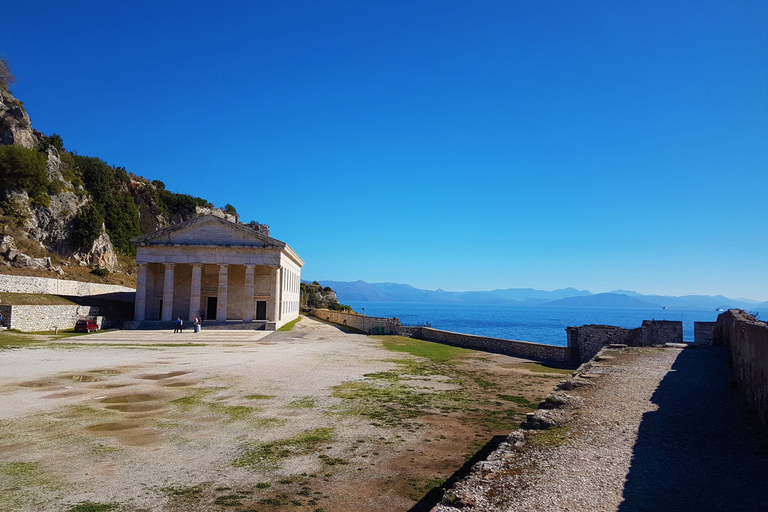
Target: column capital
[(173, 264), (195, 265), (223, 265)]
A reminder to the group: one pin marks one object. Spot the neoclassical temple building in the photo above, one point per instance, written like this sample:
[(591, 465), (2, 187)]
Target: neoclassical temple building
[(219, 270)]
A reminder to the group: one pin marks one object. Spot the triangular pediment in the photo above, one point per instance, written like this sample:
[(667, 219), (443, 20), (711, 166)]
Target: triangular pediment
[(209, 230)]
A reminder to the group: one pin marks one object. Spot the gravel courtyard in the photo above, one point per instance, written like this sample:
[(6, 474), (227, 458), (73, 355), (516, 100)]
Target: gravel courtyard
[(307, 420)]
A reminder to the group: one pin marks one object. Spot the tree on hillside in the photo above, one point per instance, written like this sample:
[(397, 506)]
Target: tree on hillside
[(7, 78), (24, 169)]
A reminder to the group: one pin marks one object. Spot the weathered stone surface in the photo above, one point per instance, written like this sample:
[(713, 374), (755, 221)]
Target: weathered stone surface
[(15, 126), (101, 253)]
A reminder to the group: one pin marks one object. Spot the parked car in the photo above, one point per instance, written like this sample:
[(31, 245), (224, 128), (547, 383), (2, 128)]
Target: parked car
[(86, 326)]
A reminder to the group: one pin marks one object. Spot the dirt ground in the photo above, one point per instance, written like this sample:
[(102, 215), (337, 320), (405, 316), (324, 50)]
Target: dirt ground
[(313, 419)]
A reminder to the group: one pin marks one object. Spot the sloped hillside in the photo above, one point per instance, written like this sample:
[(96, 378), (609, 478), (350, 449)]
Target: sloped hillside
[(73, 215)]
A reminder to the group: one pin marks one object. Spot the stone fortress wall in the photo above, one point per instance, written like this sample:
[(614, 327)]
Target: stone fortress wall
[(747, 339), (47, 285), (587, 340), (35, 318), (367, 324), (46, 318)]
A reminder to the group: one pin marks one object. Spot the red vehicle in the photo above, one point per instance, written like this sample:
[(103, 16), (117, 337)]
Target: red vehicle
[(86, 326)]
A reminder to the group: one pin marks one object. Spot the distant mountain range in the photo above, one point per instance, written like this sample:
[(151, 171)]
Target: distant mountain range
[(566, 297)]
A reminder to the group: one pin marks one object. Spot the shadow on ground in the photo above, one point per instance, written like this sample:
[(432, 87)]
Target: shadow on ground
[(701, 450), (434, 496)]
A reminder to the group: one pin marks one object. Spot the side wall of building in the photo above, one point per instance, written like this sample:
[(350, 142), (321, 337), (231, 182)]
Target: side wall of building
[(747, 339), (587, 340)]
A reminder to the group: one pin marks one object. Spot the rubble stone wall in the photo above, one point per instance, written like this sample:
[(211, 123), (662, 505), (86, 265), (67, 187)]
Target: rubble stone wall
[(46, 318), (26, 284), (498, 345), (702, 332), (587, 340), (747, 338), (367, 324)]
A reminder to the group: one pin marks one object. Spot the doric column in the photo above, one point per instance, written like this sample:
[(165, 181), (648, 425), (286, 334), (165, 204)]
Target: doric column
[(221, 303), (194, 292), (248, 313), (167, 313), (273, 309), (140, 307)]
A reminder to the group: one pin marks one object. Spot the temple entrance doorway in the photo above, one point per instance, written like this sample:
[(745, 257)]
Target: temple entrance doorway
[(210, 308), (261, 310)]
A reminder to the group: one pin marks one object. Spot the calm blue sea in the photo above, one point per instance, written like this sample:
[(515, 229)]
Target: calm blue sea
[(539, 324)]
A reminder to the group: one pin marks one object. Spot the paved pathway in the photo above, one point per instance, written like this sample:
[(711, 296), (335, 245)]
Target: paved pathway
[(661, 430)]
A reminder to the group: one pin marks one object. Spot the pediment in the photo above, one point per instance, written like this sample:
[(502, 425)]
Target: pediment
[(208, 230)]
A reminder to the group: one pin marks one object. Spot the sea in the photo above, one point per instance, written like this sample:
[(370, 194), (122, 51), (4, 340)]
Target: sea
[(539, 324)]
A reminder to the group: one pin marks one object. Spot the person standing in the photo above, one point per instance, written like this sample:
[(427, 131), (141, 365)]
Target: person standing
[(177, 327)]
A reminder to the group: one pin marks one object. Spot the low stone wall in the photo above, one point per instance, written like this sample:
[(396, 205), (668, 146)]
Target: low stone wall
[(46, 318), (367, 324), (587, 340), (747, 338), (702, 332), (515, 348), (26, 284)]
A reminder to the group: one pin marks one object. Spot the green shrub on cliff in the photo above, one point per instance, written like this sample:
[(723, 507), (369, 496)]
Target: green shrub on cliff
[(24, 169)]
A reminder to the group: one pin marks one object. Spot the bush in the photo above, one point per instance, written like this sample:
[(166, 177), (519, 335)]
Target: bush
[(101, 272), (230, 209), (87, 226), (24, 169), (98, 177), (121, 218)]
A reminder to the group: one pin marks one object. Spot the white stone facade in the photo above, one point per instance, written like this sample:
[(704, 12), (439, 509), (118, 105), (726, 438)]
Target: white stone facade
[(219, 270)]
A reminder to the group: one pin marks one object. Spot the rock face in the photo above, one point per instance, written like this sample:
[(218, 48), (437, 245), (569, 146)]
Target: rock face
[(15, 126), (101, 253), (51, 223)]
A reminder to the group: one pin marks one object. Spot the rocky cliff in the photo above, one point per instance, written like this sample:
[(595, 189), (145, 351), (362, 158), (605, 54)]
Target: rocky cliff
[(60, 209)]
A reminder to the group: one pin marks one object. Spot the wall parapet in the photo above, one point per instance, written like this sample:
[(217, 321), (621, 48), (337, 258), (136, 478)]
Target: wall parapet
[(747, 338), (514, 348), (50, 286), (367, 324), (587, 340)]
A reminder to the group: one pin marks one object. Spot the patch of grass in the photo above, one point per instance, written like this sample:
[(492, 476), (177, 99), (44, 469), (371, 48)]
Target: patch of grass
[(263, 485), (290, 325), (15, 339), (302, 403), (420, 487), (520, 400), (88, 506), (33, 299), (330, 461), (485, 384), (181, 491), (436, 352), (551, 437), (269, 455), (258, 397), (544, 368), (230, 500), (505, 420), (196, 400)]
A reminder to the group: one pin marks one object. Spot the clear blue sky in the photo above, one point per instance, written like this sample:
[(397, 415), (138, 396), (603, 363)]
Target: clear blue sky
[(444, 144)]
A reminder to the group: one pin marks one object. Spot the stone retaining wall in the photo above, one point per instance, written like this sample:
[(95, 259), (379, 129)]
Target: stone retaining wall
[(26, 284), (367, 324), (747, 338), (46, 318), (587, 340), (702, 332), (515, 348)]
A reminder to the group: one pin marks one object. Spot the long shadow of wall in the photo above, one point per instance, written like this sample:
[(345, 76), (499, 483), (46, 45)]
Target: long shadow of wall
[(701, 450)]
